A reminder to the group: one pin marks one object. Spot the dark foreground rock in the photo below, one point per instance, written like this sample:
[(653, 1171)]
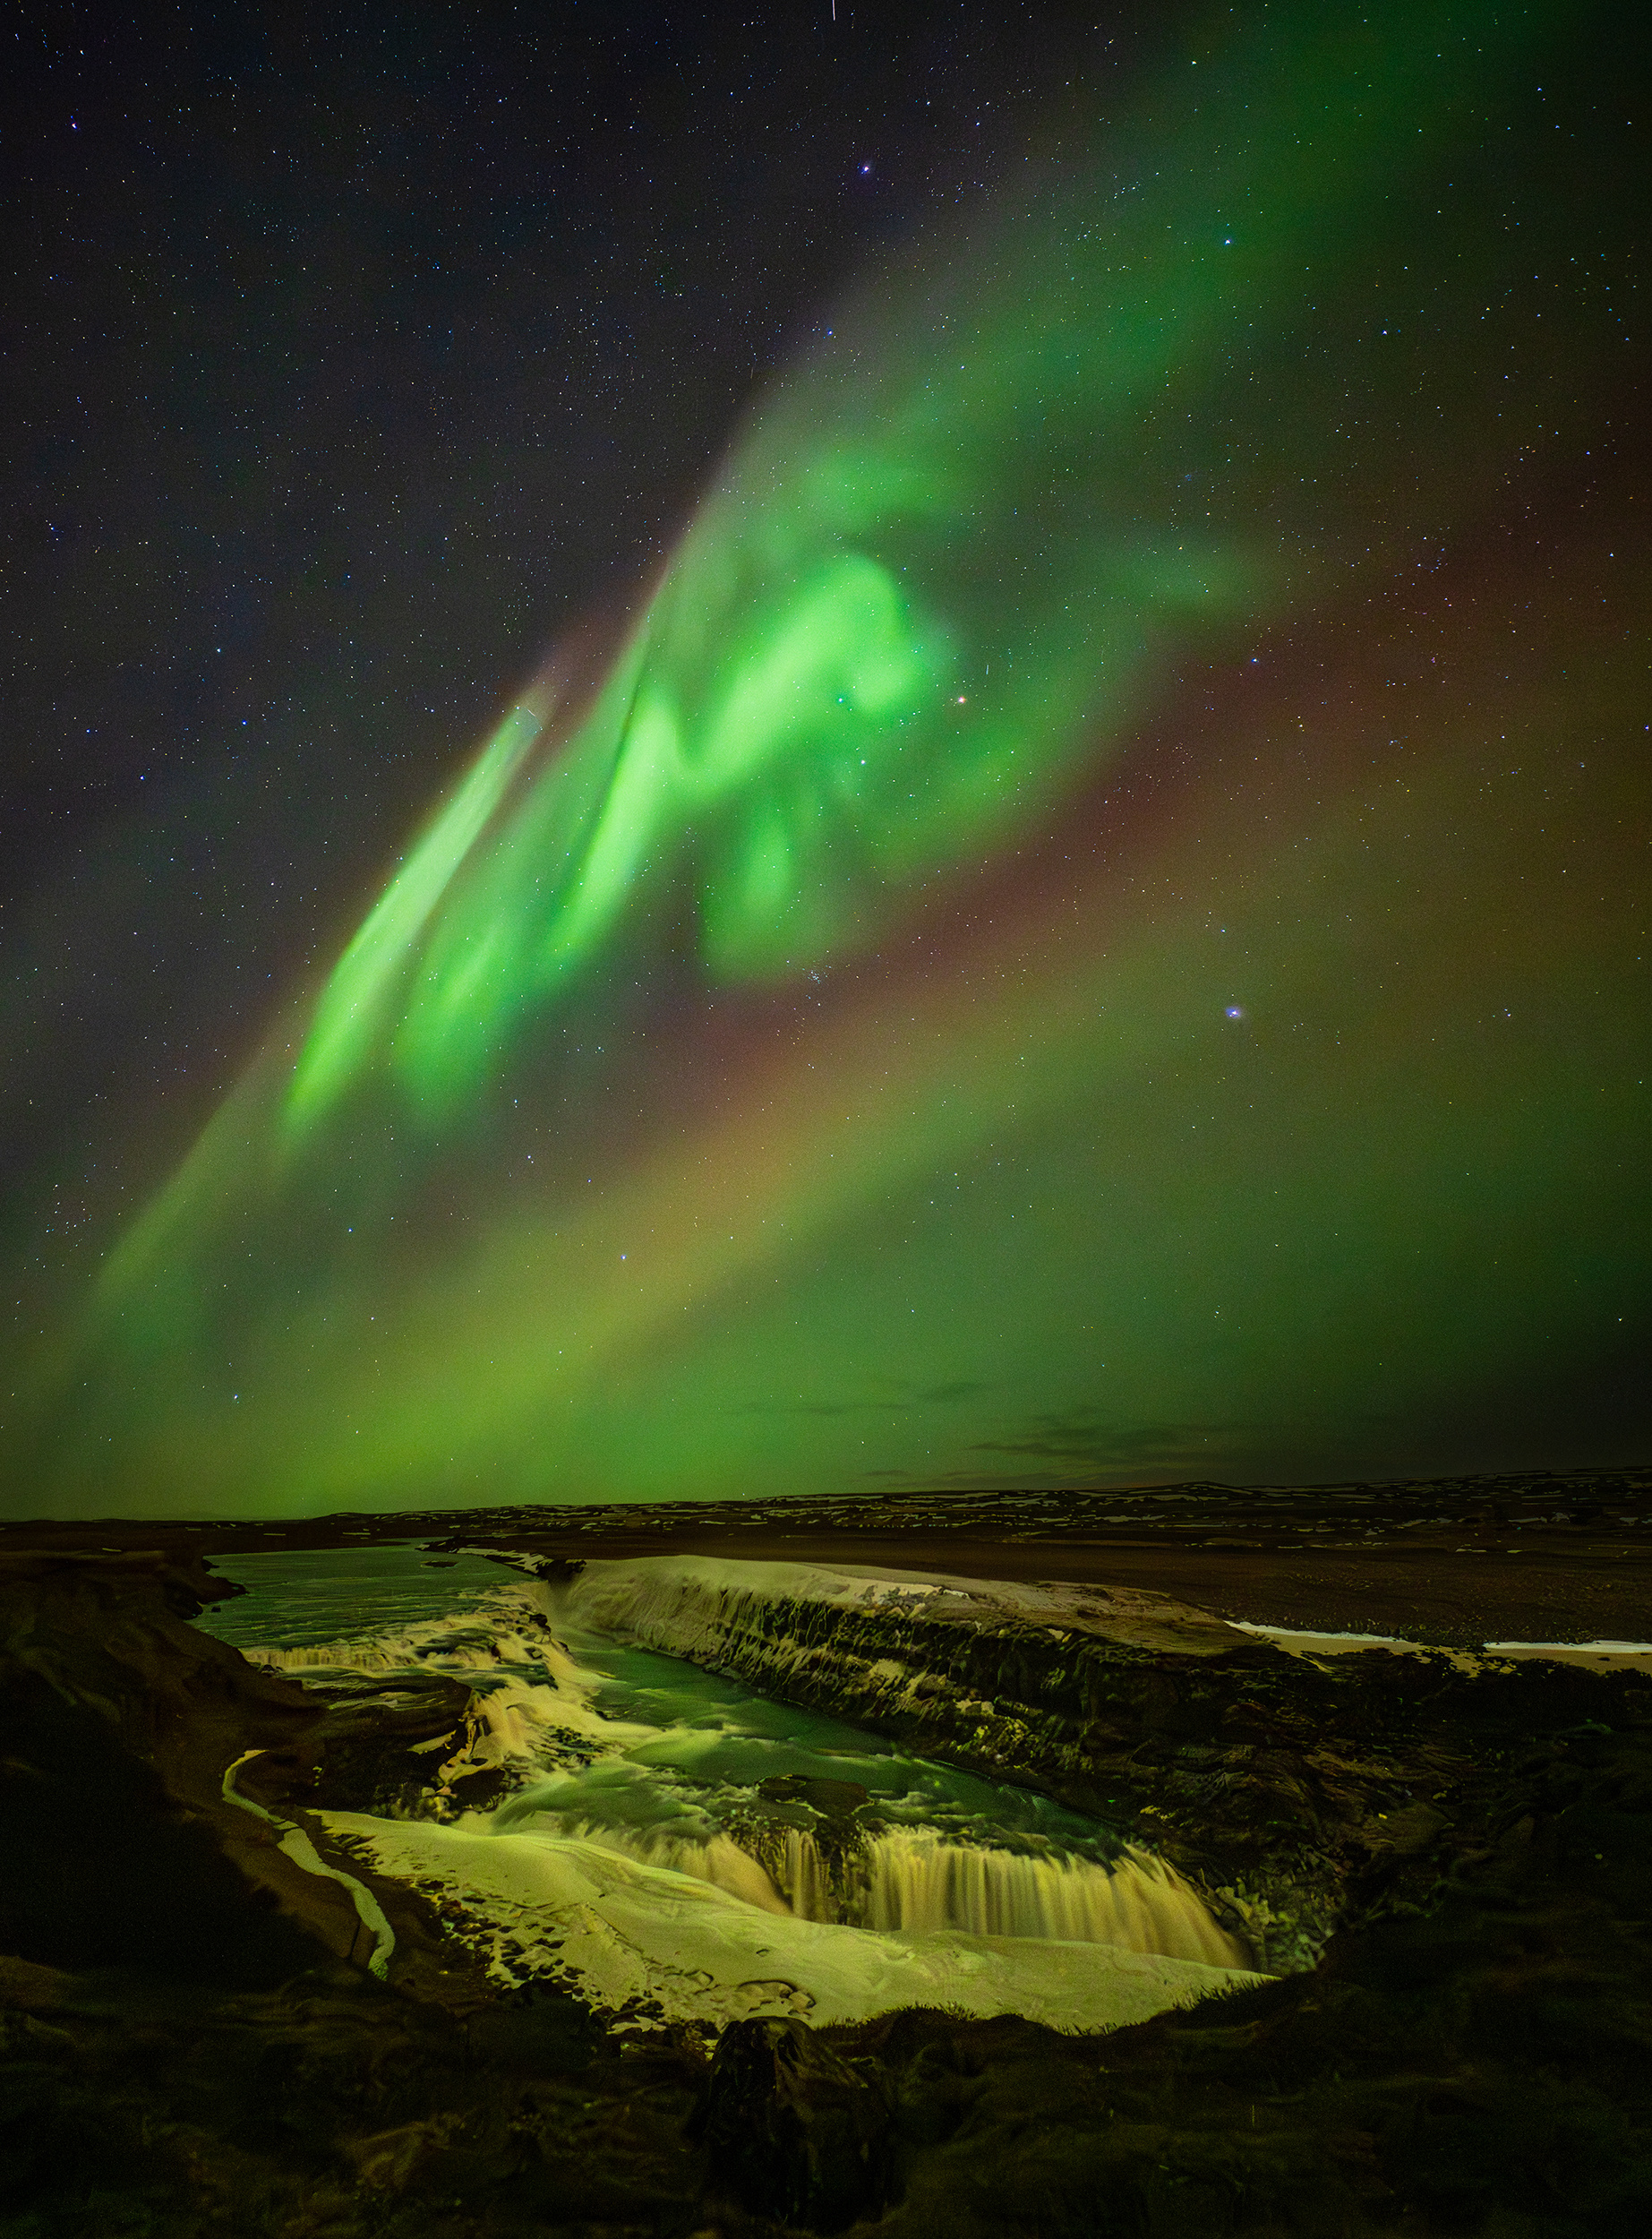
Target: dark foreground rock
[(795, 2130), (119, 1844)]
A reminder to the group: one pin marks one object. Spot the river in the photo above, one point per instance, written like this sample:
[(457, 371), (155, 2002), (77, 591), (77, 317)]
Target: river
[(668, 1828)]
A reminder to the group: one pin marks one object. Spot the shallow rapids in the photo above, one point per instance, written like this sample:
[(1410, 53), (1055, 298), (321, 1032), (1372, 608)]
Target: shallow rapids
[(680, 1847)]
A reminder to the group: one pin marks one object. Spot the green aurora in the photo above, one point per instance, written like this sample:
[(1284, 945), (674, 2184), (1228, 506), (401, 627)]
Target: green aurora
[(1090, 928)]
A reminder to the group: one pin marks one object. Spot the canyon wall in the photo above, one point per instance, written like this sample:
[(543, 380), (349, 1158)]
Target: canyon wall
[(1293, 1793)]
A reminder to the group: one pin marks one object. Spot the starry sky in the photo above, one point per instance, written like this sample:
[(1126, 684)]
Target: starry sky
[(801, 756)]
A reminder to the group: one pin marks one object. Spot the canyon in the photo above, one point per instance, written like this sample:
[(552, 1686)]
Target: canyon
[(1429, 1859)]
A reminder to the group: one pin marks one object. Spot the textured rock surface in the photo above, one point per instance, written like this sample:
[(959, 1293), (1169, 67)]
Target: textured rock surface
[(382, 1744), (120, 1720), (793, 2129), (1293, 1794)]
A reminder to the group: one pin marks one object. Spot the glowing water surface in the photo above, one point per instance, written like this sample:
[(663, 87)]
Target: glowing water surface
[(679, 1848), (300, 1599), (710, 1744)]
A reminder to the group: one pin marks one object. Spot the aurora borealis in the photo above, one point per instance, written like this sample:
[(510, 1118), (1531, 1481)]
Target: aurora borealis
[(1087, 924)]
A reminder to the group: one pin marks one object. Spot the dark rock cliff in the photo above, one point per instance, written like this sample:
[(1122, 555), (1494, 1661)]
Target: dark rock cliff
[(1295, 1796)]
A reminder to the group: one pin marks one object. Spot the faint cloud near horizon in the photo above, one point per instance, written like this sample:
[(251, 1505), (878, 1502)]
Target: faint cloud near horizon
[(1093, 1443), (899, 1398)]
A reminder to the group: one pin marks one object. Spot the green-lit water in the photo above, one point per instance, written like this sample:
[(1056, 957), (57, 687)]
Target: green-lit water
[(710, 1747)]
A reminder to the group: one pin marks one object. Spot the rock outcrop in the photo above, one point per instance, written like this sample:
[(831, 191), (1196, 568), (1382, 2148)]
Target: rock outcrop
[(1294, 1794), (793, 2129), (120, 1719)]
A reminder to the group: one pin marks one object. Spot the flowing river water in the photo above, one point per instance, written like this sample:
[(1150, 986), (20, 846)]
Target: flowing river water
[(666, 1829)]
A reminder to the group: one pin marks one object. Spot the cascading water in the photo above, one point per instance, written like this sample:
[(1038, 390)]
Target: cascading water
[(914, 1880), (911, 1880), (678, 1844)]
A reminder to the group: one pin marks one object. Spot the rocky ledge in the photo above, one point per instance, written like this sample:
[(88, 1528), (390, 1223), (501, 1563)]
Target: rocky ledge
[(1296, 1791)]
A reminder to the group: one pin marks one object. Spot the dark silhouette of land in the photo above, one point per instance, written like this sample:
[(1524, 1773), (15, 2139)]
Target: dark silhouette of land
[(1541, 1555)]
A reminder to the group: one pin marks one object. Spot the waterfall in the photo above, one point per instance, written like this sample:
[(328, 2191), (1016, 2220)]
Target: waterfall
[(913, 1880), (718, 1859), (510, 1718), (483, 1640), (533, 1709), (917, 1880)]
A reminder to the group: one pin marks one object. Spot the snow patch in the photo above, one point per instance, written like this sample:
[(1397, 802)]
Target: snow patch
[(649, 1944)]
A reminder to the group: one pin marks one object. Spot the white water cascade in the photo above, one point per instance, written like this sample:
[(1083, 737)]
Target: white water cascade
[(512, 1632), (707, 1854), (535, 1699), (910, 1879), (917, 1880), (511, 1720)]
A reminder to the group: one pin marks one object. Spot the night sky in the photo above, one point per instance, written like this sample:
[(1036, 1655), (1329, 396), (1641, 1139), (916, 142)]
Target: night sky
[(767, 756)]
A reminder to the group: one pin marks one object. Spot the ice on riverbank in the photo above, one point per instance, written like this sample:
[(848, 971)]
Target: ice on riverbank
[(648, 1944), (680, 1603), (1588, 1655)]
